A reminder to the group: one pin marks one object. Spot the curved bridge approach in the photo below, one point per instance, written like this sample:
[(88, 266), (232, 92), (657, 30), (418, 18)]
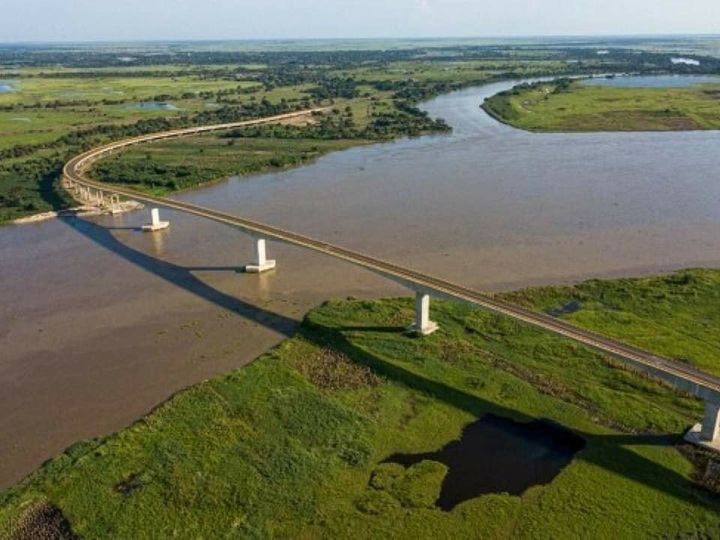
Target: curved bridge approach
[(680, 375)]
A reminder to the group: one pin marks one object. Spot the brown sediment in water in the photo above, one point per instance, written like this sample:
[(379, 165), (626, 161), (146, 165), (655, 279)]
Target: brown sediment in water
[(100, 323)]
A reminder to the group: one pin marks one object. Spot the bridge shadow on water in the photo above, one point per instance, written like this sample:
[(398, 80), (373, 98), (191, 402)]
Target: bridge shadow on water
[(612, 452), (181, 276)]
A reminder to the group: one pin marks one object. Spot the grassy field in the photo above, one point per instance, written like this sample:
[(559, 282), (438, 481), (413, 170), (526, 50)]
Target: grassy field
[(600, 108), (292, 445), (166, 166), (38, 89), (91, 101), (34, 118), (44, 126)]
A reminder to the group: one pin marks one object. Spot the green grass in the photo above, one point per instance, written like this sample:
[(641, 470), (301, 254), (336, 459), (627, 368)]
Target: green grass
[(166, 166), (44, 126), (599, 108), (286, 447), (674, 315), (39, 89)]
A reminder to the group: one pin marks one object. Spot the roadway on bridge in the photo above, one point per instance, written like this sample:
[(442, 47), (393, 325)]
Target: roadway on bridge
[(685, 377)]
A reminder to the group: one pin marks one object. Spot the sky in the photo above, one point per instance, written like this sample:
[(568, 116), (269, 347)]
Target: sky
[(120, 20)]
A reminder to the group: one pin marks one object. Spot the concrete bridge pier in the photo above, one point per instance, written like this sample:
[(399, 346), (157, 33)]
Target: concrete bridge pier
[(262, 263), (707, 434), (114, 204), (155, 223), (422, 326)]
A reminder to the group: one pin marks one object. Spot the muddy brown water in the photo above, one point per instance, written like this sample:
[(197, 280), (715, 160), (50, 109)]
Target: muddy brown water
[(99, 323), (499, 455)]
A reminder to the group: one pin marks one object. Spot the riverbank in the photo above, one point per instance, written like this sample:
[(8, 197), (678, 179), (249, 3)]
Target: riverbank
[(170, 166), (79, 211), (303, 431), (572, 106)]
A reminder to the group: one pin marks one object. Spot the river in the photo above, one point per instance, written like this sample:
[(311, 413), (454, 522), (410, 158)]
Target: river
[(99, 323)]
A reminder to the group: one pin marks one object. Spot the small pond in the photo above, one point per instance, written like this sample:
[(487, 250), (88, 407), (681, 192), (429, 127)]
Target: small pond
[(654, 81), (499, 455), (6, 87)]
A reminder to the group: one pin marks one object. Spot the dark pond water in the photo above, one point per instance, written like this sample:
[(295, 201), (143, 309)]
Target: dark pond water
[(655, 81), (498, 455), (571, 307)]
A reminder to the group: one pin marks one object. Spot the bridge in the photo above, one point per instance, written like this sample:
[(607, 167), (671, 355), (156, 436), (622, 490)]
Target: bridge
[(683, 377)]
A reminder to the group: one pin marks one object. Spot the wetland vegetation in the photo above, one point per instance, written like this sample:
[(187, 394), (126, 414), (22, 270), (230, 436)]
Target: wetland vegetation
[(162, 168), (308, 440)]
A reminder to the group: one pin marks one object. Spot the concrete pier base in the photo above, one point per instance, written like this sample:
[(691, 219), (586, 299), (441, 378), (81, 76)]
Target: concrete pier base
[(262, 263), (707, 434), (155, 223), (422, 326), (114, 204)]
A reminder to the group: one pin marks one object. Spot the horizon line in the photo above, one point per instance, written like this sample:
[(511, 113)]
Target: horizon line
[(366, 39)]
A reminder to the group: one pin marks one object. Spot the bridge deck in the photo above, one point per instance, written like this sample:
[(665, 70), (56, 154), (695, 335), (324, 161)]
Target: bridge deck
[(685, 377)]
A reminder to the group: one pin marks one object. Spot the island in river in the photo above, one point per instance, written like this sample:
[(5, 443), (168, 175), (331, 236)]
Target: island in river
[(611, 104)]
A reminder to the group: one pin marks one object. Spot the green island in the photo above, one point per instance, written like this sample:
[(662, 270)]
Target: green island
[(565, 106), (168, 166), (295, 444)]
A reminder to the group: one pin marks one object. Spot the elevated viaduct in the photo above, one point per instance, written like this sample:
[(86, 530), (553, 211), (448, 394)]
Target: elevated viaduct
[(686, 378)]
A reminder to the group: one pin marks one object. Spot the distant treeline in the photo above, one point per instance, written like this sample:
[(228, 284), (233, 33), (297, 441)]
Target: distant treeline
[(618, 58), (406, 120)]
